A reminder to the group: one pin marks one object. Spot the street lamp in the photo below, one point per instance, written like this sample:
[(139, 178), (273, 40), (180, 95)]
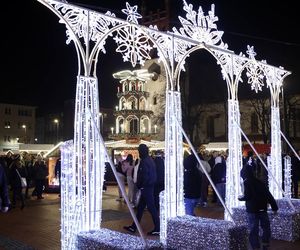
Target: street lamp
[(24, 126), (155, 128), (112, 130), (56, 121)]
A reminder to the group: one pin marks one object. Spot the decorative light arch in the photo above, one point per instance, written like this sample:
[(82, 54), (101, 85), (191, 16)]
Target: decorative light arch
[(82, 209)]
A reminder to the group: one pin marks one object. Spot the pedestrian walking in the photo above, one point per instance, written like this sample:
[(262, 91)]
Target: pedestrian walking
[(145, 182)]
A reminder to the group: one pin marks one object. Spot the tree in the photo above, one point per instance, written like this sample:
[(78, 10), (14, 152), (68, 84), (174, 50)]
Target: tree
[(262, 108)]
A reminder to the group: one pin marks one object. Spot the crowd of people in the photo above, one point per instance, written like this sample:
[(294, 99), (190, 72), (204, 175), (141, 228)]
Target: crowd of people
[(145, 180), (196, 182), (19, 173)]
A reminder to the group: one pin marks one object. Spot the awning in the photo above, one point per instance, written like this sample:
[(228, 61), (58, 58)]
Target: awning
[(123, 144), (216, 146)]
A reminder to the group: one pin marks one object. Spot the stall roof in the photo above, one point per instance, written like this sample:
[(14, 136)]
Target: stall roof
[(122, 144), (216, 146)]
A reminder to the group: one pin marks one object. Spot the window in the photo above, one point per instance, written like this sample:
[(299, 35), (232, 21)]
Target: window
[(154, 100), (24, 112), (6, 124), (7, 111), (6, 138)]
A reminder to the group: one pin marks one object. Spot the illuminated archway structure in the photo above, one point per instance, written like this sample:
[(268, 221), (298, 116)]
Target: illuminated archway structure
[(88, 29)]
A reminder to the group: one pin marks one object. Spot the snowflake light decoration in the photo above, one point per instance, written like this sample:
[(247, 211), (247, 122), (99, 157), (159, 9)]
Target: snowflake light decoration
[(255, 77), (199, 26), (133, 45), (131, 12)]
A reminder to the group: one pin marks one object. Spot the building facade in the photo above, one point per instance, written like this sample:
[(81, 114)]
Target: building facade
[(17, 126), (211, 122)]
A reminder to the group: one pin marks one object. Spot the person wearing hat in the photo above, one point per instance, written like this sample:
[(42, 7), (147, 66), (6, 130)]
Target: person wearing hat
[(146, 179)]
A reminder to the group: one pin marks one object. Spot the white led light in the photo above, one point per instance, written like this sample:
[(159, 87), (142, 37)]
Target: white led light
[(287, 177), (83, 160)]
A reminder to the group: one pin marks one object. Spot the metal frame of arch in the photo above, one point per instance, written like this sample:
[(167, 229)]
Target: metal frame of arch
[(85, 157)]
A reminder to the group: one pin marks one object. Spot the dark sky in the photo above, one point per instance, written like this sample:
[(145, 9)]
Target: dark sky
[(38, 68)]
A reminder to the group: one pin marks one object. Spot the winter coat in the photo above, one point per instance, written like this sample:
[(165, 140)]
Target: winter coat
[(14, 178), (256, 193), (146, 176), (218, 174), (40, 171), (192, 178), (160, 171), (3, 188)]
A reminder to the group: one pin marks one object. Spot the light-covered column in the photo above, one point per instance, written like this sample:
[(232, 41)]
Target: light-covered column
[(68, 199), (82, 183), (276, 158), (287, 177), (234, 161), (173, 199)]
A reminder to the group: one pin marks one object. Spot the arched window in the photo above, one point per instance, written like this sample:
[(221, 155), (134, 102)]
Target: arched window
[(142, 103), (121, 124), (133, 86), (145, 125), (133, 124), (132, 103), (123, 103)]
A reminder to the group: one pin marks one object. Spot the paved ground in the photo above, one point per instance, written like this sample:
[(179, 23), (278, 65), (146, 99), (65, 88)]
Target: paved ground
[(37, 225)]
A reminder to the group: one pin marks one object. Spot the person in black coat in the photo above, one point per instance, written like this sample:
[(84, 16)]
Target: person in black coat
[(218, 176), (295, 171), (4, 197), (146, 179), (257, 197), (191, 184), (160, 173), (40, 172), (16, 171)]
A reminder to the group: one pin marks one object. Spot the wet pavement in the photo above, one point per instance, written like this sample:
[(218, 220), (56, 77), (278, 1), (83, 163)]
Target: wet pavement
[(37, 225)]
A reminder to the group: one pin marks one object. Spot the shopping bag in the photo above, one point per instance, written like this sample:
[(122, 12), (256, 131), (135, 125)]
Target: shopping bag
[(23, 180), (137, 197)]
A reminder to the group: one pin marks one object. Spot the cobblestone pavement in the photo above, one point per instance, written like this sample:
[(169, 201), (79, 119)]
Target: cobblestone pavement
[(36, 227)]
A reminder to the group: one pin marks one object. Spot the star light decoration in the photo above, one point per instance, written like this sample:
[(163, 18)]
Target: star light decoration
[(132, 14), (254, 72)]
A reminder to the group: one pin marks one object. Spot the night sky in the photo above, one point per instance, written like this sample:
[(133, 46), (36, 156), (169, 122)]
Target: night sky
[(39, 69)]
